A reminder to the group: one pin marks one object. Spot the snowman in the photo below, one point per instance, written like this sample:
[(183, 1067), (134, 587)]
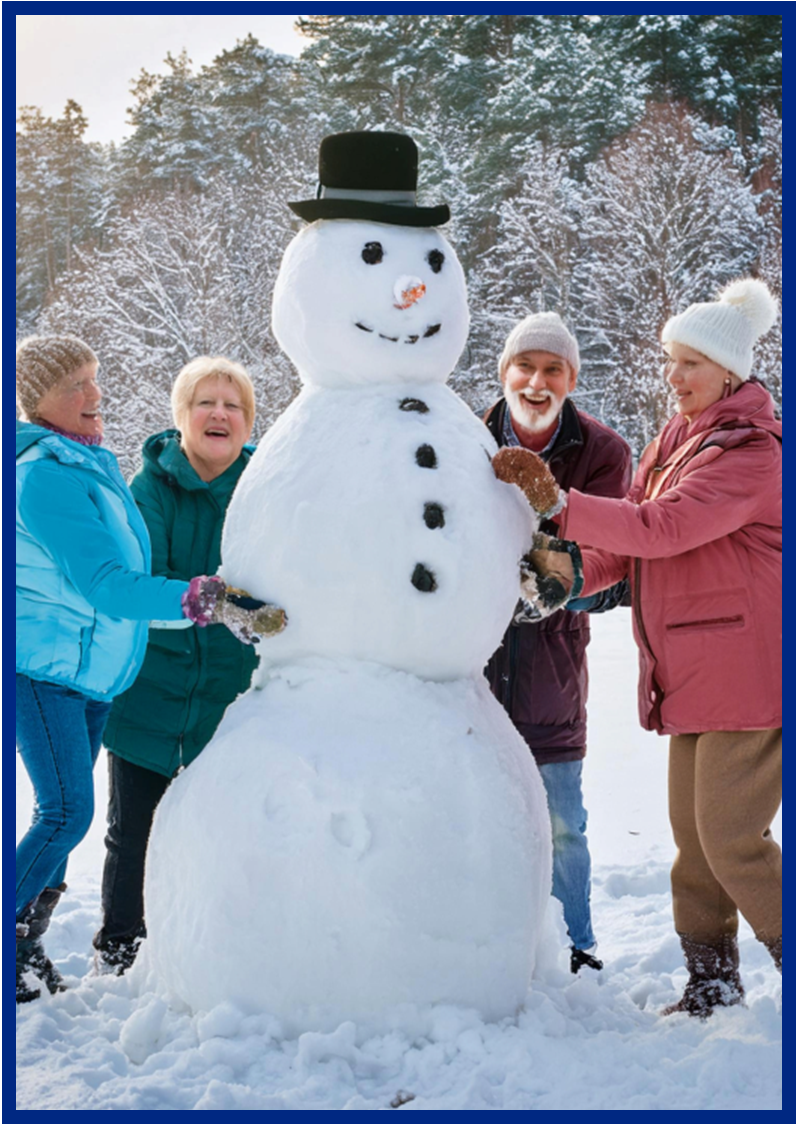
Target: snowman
[(367, 834)]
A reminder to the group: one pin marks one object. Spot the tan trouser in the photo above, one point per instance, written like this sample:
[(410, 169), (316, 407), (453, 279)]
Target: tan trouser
[(725, 788)]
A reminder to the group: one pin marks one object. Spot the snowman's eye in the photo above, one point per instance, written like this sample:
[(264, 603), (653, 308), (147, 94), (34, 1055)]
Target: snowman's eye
[(373, 253), (435, 258)]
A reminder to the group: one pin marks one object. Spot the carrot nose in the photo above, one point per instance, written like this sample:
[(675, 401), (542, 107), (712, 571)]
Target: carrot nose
[(407, 291)]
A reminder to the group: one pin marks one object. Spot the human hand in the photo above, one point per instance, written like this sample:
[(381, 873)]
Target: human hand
[(551, 573), (210, 601), (515, 465)]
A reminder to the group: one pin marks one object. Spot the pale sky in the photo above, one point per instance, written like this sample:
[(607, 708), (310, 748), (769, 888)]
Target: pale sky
[(94, 58)]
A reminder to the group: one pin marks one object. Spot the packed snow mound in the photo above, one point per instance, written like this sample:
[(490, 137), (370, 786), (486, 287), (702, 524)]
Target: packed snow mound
[(356, 302), (354, 842), (355, 503), (753, 299)]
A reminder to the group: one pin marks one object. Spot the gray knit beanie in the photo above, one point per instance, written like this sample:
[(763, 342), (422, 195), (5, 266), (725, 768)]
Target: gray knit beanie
[(42, 361), (540, 332), (726, 329)]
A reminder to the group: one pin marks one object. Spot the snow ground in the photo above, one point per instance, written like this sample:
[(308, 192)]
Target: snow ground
[(594, 1042)]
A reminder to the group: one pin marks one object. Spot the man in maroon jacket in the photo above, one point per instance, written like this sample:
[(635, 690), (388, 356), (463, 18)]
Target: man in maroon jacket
[(539, 673)]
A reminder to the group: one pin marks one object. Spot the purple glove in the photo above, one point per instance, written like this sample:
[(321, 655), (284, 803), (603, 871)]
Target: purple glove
[(210, 601), (201, 598)]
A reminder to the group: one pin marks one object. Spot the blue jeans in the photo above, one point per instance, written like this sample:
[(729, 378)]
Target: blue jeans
[(572, 869), (59, 734)]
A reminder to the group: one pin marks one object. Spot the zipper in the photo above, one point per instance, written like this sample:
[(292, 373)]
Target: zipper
[(514, 645), (190, 699), (658, 695)]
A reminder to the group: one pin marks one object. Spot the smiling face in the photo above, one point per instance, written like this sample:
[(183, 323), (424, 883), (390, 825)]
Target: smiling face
[(360, 302), (73, 403), (696, 381), (536, 385), (215, 426)]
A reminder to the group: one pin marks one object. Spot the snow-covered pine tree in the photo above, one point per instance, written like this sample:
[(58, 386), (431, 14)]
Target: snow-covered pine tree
[(727, 66), (176, 143), (61, 185)]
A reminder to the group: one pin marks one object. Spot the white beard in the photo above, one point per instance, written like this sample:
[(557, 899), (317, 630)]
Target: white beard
[(533, 420)]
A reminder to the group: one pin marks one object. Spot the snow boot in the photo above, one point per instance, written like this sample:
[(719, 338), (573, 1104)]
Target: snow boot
[(31, 957), (115, 957), (714, 980), (581, 957), (775, 947)]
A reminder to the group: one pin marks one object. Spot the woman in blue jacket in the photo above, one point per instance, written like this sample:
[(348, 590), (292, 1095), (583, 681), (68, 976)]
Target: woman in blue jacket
[(84, 601)]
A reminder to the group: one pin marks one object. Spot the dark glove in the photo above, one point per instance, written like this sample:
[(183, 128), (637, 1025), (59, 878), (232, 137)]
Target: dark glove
[(551, 573), (515, 465), (210, 601)]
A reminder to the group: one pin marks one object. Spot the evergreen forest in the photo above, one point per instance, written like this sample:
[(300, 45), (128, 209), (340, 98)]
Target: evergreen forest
[(614, 168)]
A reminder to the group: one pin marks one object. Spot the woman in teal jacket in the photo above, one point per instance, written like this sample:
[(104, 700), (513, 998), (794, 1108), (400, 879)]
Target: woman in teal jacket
[(84, 598), (188, 678)]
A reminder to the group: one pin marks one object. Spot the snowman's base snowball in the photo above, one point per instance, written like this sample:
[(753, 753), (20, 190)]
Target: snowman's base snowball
[(353, 840)]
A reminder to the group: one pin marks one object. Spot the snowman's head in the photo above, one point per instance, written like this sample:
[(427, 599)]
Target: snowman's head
[(359, 302)]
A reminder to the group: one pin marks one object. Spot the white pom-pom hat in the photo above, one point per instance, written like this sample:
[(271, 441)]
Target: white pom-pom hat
[(726, 329)]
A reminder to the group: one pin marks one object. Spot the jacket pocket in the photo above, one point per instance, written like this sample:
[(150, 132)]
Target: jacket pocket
[(712, 611), (735, 621)]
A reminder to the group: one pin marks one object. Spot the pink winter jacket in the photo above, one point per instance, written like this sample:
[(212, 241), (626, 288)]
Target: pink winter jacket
[(700, 534)]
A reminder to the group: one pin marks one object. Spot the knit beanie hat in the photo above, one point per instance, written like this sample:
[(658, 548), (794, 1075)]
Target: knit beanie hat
[(540, 332), (42, 361), (726, 329)]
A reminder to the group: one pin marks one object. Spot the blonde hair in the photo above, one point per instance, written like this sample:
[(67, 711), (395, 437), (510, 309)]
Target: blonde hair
[(43, 361), (205, 367)]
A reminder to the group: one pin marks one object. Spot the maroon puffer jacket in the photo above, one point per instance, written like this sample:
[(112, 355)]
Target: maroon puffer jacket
[(539, 673)]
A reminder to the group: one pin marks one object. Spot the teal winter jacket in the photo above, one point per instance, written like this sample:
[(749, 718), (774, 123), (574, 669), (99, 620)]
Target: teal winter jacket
[(85, 594), (189, 676)]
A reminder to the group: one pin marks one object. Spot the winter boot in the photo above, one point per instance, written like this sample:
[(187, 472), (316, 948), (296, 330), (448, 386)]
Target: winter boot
[(115, 957), (713, 977), (30, 951), (581, 957), (775, 947)]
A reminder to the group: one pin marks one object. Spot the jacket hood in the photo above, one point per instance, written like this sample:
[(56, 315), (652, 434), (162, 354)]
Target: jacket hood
[(28, 433), (751, 406), (63, 448), (162, 453)]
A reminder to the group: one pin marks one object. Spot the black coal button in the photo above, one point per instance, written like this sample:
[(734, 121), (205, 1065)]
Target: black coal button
[(423, 579), (426, 457), (433, 515)]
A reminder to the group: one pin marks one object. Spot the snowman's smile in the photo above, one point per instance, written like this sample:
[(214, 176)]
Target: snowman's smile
[(432, 330)]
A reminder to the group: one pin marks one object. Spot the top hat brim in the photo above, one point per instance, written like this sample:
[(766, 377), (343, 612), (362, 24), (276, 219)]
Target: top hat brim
[(397, 215)]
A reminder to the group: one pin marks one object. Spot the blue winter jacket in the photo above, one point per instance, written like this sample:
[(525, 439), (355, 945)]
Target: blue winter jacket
[(85, 595)]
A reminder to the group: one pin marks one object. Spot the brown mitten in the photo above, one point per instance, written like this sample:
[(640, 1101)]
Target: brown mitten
[(519, 466)]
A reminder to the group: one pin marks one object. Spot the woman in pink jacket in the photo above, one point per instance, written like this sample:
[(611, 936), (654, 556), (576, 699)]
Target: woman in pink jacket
[(699, 535)]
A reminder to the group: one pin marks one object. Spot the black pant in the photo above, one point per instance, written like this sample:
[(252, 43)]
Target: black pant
[(133, 796)]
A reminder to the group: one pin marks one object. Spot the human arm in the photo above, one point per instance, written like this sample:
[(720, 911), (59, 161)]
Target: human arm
[(602, 601), (550, 574), (59, 512), (720, 492)]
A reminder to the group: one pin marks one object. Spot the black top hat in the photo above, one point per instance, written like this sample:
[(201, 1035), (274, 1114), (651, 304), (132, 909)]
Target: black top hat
[(369, 176)]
